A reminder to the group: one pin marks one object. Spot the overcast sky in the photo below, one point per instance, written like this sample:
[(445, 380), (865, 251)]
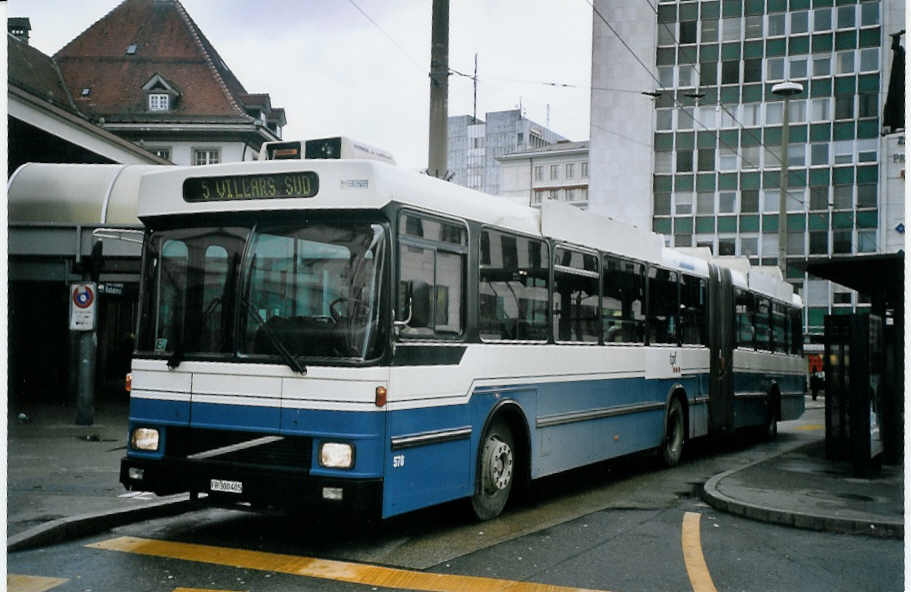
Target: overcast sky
[(335, 72)]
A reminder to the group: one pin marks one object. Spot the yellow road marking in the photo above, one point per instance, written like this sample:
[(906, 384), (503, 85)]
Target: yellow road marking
[(810, 427), (358, 573), (21, 583), (696, 568), (199, 590)]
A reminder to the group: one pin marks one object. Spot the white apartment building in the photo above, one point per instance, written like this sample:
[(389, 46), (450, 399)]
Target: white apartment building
[(557, 171)]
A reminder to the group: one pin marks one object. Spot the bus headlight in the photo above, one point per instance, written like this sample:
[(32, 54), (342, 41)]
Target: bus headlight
[(336, 455), (144, 439)]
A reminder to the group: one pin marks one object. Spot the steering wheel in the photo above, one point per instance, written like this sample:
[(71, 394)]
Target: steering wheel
[(336, 315)]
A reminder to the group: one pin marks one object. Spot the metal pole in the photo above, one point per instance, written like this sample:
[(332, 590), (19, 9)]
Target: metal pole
[(439, 89), (85, 395), (783, 196)]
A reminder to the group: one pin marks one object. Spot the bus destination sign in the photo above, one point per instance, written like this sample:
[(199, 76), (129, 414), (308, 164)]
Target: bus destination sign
[(241, 187)]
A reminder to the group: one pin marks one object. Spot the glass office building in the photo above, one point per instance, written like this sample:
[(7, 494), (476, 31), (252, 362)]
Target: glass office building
[(718, 132)]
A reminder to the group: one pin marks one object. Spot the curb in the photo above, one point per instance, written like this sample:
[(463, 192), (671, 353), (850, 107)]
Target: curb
[(805, 520), (71, 527)]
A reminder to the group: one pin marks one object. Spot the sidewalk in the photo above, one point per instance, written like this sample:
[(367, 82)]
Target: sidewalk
[(63, 479), (802, 488), (62, 483)]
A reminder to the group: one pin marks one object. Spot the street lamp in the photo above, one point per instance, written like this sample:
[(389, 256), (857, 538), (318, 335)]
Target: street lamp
[(786, 90)]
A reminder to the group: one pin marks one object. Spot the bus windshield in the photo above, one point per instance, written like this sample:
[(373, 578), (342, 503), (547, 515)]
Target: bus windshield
[(295, 291)]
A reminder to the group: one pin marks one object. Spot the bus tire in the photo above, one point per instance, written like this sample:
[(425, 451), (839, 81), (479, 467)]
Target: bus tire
[(674, 434), (496, 471)]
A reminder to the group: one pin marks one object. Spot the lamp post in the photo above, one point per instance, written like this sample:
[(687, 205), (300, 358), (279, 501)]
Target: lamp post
[(785, 90)]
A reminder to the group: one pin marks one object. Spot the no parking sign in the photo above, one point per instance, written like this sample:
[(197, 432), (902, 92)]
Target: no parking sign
[(83, 298)]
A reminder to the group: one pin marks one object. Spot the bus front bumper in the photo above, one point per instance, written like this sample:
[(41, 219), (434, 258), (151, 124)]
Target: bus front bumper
[(260, 486)]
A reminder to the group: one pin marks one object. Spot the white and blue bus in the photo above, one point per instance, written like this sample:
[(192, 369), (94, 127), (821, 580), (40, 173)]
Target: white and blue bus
[(351, 334)]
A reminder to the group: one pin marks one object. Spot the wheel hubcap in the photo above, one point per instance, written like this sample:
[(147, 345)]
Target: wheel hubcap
[(498, 463)]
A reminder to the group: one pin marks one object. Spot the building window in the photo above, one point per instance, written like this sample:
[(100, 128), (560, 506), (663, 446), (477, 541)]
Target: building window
[(705, 203), (774, 69), (866, 241), (776, 25), (206, 156), (749, 200), (584, 168), (683, 203), (752, 70), (819, 109), (843, 196), (539, 173), (663, 162), (866, 196), (867, 151), (687, 76), (685, 118), (731, 29), (869, 14), (844, 106), (688, 32), (727, 158), (554, 171), (799, 22), (819, 198), (867, 105), (798, 68), (709, 30), (797, 111), (684, 161), (753, 27), (844, 62), (751, 114), (749, 247), (730, 72), (666, 76), (664, 119), (159, 102), (727, 202), (846, 16), (570, 170), (797, 154), (819, 154), (822, 66), (773, 113), (164, 153), (869, 59), (662, 204), (706, 159), (822, 19)]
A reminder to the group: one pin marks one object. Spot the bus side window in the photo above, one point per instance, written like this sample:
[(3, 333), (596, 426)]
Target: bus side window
[(623, 304), (432, 256), (662, 306), (746, 310), (512, 288), (762, 320), (576, 314), (692, 310)]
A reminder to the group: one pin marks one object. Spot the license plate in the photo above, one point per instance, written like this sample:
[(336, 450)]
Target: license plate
[(226, 486)]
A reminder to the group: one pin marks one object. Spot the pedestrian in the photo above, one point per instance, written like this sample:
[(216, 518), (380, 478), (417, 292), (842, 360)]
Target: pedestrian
[(816, 384)]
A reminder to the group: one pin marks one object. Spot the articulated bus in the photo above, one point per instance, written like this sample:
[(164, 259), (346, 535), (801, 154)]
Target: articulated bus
[(349, 334)]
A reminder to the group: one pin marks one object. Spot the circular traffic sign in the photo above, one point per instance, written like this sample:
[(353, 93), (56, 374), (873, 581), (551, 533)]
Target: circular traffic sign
[(83, 296)]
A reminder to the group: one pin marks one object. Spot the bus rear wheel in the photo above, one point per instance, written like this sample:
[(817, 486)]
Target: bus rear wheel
[(496, 471), (672, 447)]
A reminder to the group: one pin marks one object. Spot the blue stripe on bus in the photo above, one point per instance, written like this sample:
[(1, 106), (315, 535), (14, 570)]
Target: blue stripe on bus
[(424, 475)]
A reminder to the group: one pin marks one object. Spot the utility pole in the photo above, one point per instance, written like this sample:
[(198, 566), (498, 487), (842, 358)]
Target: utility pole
[(475, 80), (439, 89)]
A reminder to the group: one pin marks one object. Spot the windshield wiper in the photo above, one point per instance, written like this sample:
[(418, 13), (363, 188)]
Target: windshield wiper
[(277, 343)]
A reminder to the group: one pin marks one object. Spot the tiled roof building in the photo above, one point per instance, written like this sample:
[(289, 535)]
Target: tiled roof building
[(145, 71)]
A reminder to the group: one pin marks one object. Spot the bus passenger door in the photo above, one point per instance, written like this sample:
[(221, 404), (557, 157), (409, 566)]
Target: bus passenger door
[(721, 350)]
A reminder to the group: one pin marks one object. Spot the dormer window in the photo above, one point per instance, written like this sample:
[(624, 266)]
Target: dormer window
[(131, 49), (162, 95), (86, 91), (159, 102)]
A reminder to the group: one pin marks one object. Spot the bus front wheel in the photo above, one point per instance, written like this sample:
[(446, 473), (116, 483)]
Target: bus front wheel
[(496, 466), (672, 447)]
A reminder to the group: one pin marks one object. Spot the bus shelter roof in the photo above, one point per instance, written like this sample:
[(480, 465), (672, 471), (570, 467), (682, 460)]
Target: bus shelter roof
[(876, 275)]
